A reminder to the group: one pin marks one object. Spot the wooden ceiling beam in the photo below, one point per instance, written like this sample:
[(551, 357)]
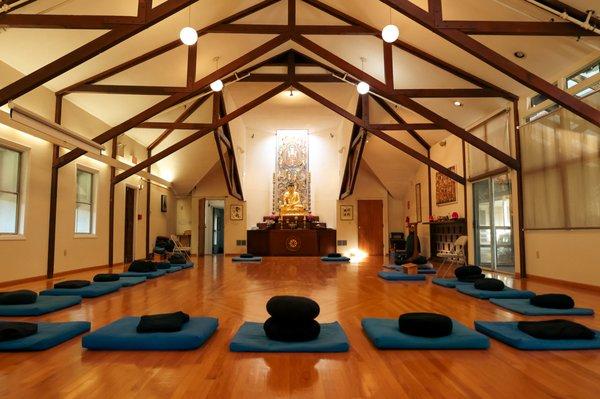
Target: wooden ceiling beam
[(88, 51), (392, 112), (174, 125), (516, 28), (570, 10), (355, 139), (55, 21), (406, 126), (128, 89), (499, 62)]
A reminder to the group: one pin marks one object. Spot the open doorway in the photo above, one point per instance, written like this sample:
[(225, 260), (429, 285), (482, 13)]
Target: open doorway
[(214, 240), (129, 224)]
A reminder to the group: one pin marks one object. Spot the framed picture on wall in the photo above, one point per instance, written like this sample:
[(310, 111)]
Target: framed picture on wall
[(445, 188), (163, 203), (346, 212), (418, 202), (236, 212)]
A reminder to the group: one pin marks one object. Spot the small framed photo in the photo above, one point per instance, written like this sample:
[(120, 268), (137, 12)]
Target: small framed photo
[(346, 212), (163, 203), (236, 212)]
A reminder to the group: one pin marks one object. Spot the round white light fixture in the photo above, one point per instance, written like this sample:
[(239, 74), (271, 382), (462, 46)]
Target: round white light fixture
[(390, 33), (188, 36), (458, 104), (217, 85), (363, 88)]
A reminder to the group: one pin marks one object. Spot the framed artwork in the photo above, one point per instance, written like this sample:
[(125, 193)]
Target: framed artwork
[(346, 212), (163, 203), (445, 188), (236, 212), (418, 202)]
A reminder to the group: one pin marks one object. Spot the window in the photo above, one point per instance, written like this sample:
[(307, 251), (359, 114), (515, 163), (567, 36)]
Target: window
[(537, 100), (10, 190), (582, 75), (84, 206)]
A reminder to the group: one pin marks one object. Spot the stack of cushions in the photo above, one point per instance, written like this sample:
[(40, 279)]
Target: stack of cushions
[(489, 284), (72, 284), (20, 297), (142, 266), (106, 277), (556, 329), (292, 319), (177, 259), (165, 322), (428, 325), (553, 301), (9, 331), (468, 274)]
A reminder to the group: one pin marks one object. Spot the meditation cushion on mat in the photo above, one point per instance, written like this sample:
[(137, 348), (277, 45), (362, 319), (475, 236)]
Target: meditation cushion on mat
[(509, 333), (334, 255), (556, 329), (464, 271), (424, 270), (9, 331), (429, 325), (489, 284), (284, 331), (91, 291), (20, 297), (553, 301), (471, 279), (122, 335), (447, 282), (425, 266), (335, 259), (246, 256), (106, 277), (162, 265), (524, 306), (251, 337), (142, 266), (148, 275), (47, 336), (177, 259), (420, 260), (165, 322), (469, 289), (241, 259), (43, 305), (72, 284), (127, 281), (400, 276), (384, 334), (293, 308)]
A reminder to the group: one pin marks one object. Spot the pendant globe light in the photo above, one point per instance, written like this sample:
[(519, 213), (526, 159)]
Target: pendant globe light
[(390, 33), (363, 87), (188, 35), (217, 85)]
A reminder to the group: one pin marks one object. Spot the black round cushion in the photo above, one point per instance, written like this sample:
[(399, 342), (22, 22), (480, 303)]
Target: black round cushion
[(489, 284), (142, 266), (20, 297), (162, 265), (282, 330), (556, 329), (465, 271), (430, 325), (104, 277), (293, 309), (177, 259), (420, 260), (72, 284), (246, 256), (334, 255), (553, 301), (472, 278)]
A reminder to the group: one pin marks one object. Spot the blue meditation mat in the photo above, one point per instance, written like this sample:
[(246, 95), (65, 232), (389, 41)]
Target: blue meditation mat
[(173, 269), (148, 275), (509, 333), (400, 276), (122, 335), (505, 293), (183, 265), (251, 338), (523, 306), (43, 305), (385, 334), (253, 259), (125, 281), (334, 259), (91, 291), (419, 271), (49, 335), (449, 282)]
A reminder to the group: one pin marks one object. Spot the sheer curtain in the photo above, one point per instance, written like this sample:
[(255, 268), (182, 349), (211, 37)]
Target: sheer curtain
[(495, 132), (561, 171)]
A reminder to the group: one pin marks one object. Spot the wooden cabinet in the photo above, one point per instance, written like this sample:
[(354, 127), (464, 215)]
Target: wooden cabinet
[(288, 242)]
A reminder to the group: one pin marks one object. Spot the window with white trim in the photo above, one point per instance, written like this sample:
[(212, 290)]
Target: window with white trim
[(85, 202), (583, 75), (10, 190)]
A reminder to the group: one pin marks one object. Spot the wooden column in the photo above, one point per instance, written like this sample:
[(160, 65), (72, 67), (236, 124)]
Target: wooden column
[(149, 184), (464, 160), (53, 195), (111, 206), (521, 217), (388, 64), (429, 185)]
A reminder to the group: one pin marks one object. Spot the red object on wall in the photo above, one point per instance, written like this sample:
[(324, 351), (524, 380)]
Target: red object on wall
[(140, 216), (431, 218), (454, 215)]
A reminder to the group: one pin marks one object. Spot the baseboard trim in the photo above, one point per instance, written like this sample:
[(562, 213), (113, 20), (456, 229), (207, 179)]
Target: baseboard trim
[(22, 281), (572, 284), (56, 275)]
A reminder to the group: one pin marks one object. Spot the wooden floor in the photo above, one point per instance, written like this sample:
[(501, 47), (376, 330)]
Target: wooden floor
[(235, 293)]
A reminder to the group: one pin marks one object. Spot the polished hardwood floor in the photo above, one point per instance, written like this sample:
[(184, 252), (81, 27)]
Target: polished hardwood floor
[(346, 293)]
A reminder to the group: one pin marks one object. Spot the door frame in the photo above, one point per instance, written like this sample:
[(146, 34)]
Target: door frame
[(135, 213), (201, 231)]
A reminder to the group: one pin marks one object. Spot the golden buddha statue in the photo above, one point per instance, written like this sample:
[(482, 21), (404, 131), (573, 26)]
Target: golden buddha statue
[(291, 204)]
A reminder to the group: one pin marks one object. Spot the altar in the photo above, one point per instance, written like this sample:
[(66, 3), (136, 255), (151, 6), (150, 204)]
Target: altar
[(288, 242)]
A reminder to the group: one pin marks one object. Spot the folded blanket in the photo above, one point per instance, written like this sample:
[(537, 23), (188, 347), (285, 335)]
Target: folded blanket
[(166, 322), (106, 277), (9, 331), (20, 297), (72, 284)]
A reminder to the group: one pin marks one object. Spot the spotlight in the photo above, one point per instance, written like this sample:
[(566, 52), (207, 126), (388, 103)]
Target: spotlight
[(188, 36), (363, 87), (390, 33), (519, 54), (458, 104), (217, 85)]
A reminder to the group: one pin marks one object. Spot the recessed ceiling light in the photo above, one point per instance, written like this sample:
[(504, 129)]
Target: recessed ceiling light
[(458, 104), (519, 54)]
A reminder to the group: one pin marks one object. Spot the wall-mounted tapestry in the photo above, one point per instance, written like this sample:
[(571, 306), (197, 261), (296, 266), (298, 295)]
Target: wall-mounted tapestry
[(291, 167), (445, 188)]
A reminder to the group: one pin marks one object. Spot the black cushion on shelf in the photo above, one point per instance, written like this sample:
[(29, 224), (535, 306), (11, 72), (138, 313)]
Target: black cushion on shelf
[(429, 325), (164, 322), (72, 284), (142, 266), (489, 284), (10, 331), (334, 255), (162, 265), (553, 301), (282, 330), (293, 308), (556, 329), (106, 277), (20, 297), (471, 279), (246, 256), (465, 271), (177, 259)]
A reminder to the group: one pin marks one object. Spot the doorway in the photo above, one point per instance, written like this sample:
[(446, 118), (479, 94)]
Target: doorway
[(492, 201), (214, 227), (129, 224), (370, 226), (218, 231)]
